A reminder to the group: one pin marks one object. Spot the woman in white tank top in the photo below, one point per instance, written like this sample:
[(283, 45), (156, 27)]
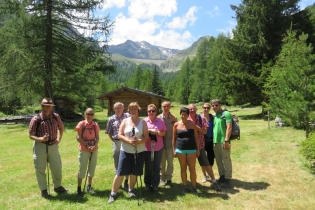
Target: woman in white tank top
[(133, 132)]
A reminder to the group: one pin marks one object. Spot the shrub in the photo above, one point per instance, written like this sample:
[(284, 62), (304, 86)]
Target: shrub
[(307, 149)]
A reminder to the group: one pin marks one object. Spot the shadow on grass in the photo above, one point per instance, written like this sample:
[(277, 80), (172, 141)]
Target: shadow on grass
[(251, 186)]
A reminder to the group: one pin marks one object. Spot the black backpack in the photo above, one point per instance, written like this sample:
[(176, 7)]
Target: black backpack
[(236, 131)]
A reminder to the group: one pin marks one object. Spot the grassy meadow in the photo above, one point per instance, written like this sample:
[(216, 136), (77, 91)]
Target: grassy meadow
[(268, 172)]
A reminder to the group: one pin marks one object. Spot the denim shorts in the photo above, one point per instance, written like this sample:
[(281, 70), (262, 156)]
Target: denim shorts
[(130, 164), (185, 152)]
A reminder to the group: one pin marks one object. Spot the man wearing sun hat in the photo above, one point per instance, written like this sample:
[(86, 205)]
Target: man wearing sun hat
[(46, 131)]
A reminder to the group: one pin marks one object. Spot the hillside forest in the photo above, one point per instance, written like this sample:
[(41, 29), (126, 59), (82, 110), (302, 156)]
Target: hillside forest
[(269, 59)]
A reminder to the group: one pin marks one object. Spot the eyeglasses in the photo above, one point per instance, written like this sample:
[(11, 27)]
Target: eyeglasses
[(91, 114), (151, 111), (206, 108), (214, 105), (192, 109)]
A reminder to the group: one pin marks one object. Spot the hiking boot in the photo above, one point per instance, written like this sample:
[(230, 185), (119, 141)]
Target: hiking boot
[(215, 186), (112, 198), (222, 179), (194, 190), (132, 194), (226, 183), (162, 183), (126, 186), (185, 190), (79, 192), (204, 179), (44, 194), (90, 190), (169, 182), (155, 189), (60, 190)]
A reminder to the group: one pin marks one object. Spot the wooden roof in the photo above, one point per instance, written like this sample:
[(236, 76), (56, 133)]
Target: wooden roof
[(109, 95)]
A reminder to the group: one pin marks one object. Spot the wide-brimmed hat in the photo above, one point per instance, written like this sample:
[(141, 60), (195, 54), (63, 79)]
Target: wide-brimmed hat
[(47, 102)]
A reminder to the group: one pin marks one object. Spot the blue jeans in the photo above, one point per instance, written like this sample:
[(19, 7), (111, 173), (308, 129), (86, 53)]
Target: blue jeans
[(152, 168)]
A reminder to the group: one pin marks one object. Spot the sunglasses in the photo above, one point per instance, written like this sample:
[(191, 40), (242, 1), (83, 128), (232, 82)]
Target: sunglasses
[(90, 114), (206, 108), (214, 105), (151, 111)]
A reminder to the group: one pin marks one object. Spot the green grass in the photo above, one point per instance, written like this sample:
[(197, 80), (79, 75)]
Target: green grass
[(268, 172)]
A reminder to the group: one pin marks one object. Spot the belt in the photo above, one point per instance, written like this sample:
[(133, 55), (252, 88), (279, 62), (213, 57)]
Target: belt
[(50, 142)]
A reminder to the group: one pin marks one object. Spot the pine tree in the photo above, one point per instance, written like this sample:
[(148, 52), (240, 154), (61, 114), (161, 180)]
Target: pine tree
[(291, 84)]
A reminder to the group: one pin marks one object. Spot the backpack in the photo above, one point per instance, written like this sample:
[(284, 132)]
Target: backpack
[(90, 142), (236, 131)]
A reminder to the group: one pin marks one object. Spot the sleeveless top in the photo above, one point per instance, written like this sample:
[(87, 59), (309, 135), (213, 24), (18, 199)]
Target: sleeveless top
[(185, 139), (128, 133)]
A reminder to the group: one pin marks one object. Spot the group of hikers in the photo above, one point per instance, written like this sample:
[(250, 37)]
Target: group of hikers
[(148, 145)]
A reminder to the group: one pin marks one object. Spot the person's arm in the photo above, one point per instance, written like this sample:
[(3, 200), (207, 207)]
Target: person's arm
[(227, 135), (60, 130), (121, 134), (174, 138), (202, 129), (109, 129), (196, 139), (33, 136), (145, 133), (79, 139)]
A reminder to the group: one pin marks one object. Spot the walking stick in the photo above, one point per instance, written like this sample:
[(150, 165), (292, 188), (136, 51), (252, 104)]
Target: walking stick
[(87, 172), (138, 170), (48, 185)]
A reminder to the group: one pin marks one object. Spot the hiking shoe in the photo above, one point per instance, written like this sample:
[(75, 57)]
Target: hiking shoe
[(60, 190), (132, 194), (111, 198), (226, 183), (79, 192), (169, 182), (185, 190), (155, 189), (44, 194), (215, 186), (162, 183), (194, 190), (126, 186), (90, 190), (221, 179), (204, 179)]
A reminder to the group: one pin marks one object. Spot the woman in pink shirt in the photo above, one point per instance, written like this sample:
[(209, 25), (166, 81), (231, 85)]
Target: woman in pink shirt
[(88, 138), (154, 149)]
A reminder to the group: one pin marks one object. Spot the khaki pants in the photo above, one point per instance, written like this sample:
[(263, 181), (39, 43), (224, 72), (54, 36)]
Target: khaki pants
[(84, 158), (40, 160), (116, 152), (223, 160), (167, 172)]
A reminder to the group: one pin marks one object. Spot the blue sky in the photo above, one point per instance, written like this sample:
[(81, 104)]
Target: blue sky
[(171, 23)]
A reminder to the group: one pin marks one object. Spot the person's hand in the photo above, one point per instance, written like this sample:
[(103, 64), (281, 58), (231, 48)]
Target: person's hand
[(45, 138), (226, 145), (134, 141), (91, 147), (57, 141), (175, 154), (197, 153)]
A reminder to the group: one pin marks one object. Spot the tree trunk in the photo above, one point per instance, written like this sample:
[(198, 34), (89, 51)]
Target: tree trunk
[(48, 51)]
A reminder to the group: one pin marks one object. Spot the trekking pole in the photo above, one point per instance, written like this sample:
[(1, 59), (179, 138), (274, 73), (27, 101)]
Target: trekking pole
[(48, 188), (87, 172), (133, 133)]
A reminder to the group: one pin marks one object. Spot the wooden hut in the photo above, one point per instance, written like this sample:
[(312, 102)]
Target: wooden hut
[(127, 95), (65, 106)]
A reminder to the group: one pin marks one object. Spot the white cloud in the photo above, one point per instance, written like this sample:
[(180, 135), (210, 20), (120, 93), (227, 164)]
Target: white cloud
[(144, 9), (228, 30), (181, 22), (113, 3), (215, 12), (150, 31)]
